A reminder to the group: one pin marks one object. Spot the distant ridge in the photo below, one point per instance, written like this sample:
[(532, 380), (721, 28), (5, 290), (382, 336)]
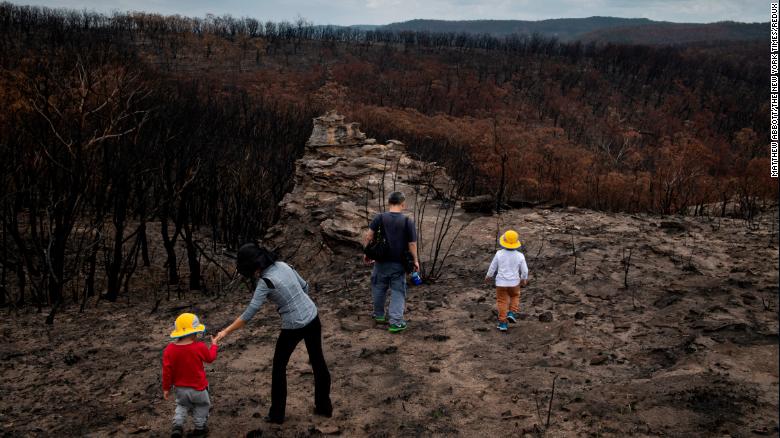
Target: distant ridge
[(680, 33), (365, 26), (599, 29)]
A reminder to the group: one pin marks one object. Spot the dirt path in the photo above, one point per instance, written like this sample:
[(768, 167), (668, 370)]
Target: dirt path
[(693, 353)]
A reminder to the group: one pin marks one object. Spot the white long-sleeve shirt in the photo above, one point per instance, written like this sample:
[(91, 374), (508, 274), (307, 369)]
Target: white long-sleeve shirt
[(509, 267)]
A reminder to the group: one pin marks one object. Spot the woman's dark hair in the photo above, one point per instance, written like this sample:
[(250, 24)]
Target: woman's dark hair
[(252, 257)]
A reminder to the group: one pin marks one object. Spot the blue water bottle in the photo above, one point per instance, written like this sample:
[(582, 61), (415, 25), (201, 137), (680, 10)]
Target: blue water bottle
[(416, 280)]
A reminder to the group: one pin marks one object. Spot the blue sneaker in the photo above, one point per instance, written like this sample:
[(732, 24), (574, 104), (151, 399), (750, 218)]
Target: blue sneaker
[(511, 317), (502, 326)]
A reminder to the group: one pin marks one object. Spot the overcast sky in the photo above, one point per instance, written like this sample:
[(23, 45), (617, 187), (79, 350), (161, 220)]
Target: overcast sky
[(346, 12)]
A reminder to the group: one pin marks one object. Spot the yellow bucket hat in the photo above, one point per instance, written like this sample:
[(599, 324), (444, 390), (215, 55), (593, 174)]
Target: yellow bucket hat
[(510, 240), (187, 324)]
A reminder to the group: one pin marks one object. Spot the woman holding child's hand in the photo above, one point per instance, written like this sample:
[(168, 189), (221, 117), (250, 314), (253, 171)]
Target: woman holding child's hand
[(281, 284)]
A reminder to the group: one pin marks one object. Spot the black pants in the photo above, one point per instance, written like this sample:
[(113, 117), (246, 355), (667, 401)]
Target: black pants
[(285, 345)]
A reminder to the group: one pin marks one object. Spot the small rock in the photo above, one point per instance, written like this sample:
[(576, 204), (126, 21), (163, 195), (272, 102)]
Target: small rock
[(395, 143), (542, 363), (550, 205), (328, 429), (579, 315), (704, 341), (351, 326), (546, 317), (71, 358), (599, 360), (507, 413), (433, 369), (366, 353), (672, 226)]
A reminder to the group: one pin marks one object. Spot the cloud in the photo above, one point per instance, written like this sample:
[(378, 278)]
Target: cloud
[(382, 4)]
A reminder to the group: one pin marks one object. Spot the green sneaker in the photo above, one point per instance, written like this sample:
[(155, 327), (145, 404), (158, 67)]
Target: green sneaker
[(395, 328), (380, 319)]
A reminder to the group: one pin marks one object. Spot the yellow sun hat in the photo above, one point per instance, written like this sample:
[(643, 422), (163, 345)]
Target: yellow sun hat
[(187, 324), (510, 240)]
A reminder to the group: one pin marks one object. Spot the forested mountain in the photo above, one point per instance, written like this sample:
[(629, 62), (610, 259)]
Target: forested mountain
[(563, 28), (600, 29), (679, 33)]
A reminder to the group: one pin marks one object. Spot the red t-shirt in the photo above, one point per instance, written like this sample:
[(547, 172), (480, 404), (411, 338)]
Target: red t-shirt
[(183, 365)]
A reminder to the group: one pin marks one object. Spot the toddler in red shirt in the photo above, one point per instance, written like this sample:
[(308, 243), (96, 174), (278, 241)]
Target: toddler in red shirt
[(183, 369)]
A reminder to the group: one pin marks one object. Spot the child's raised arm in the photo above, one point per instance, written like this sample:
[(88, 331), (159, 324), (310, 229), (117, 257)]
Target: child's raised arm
[(209, 354)]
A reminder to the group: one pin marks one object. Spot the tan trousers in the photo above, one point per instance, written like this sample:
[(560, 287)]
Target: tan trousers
[(507, 299)]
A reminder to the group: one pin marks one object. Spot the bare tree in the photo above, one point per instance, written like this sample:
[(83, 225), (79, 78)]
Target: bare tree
[(443, 235)]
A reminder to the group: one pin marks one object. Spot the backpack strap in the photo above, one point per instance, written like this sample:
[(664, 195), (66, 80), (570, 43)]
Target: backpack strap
[(268, 283), (381, 231)]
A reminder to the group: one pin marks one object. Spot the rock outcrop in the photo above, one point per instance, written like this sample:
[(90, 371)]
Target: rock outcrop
[(340, 183), (330, 130)]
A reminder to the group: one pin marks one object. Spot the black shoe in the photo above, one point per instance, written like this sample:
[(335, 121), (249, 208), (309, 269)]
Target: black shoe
[(200, 432), (176, 432), (269, 419), (328, 413)]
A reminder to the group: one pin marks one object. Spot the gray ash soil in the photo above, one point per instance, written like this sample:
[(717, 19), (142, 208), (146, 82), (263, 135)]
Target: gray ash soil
[(689, 349)]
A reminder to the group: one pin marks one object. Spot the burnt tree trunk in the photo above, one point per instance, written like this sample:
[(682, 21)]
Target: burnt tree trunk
[(117, 257), (192, 259), (169, 243), (144, 245), (89, 284)]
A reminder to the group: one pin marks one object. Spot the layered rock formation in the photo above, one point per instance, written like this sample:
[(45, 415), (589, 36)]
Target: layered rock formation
[(341, 182), (330, 130)]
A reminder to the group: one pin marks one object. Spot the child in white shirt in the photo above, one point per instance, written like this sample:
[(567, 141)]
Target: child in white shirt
[(511, 273)]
